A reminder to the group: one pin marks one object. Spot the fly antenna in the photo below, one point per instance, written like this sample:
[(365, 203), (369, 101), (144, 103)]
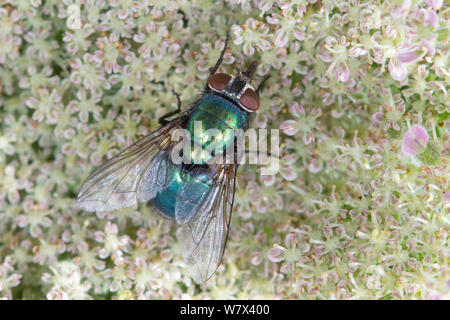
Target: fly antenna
[(251, 70)]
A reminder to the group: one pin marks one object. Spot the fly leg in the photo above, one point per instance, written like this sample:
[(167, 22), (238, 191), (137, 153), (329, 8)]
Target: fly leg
[(219, 61), (162, 120), (262, 83)]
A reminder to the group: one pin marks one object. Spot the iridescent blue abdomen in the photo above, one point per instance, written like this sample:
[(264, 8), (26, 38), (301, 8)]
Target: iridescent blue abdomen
[(197, 180)]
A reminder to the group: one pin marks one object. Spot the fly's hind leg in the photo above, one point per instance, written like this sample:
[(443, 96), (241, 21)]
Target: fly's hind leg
[(162, 120)]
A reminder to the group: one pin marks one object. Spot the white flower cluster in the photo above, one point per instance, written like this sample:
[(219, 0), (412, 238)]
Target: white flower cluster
[(359, 89)]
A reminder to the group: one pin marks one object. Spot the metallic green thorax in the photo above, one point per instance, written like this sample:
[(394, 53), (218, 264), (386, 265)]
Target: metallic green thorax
[(213, 112)]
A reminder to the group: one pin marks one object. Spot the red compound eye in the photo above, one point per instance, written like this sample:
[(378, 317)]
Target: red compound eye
[(219, 81), (250, 100)]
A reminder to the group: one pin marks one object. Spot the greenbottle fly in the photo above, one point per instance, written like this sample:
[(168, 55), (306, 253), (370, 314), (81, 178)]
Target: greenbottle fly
[(198, 196)]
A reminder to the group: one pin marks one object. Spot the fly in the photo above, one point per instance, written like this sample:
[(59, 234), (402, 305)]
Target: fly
[(199, 197)]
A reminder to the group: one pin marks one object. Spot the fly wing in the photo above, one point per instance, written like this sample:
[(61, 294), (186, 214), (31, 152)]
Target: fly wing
[(203, 237), (134, 175)]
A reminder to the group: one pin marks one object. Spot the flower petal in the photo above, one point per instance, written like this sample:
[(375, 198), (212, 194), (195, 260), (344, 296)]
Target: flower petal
[(289, 127), (406, 55), (398, 70), (415, 140)]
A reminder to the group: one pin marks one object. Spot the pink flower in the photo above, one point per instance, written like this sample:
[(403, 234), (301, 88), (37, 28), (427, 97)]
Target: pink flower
[(289, 127), (287, 169), (397, 65), (342, 72), (397, 70), (314, 166), (290, 254), (447, 199), (276, 254), (401, 10), (252, 35), (430, 17), (429, 45), (304, 123), (415, 140), (435, 4), (405, 55)]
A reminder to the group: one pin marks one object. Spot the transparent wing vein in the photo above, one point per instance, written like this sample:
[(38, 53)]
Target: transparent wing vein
[(134, 175), (203, 238)]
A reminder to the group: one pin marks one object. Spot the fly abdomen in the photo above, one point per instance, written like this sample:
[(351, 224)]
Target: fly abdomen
[(184, 185)]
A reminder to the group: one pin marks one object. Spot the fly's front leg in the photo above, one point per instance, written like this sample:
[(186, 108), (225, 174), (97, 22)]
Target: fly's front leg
[(262, 83), (219, 61), (162, 120)]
